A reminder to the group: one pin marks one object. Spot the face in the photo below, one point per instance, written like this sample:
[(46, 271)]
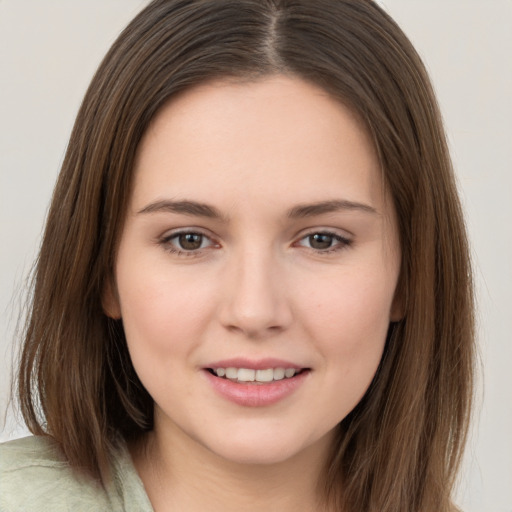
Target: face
[(256, 270)]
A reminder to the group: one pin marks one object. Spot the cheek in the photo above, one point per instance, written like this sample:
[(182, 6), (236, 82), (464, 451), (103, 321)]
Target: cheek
[(348, 321), (163, 316), (164, 320), (350, 318)]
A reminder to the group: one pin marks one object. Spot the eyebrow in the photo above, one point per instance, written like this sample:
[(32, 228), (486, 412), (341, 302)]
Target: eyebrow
[(196, 209), (192, 208), (322, 207)]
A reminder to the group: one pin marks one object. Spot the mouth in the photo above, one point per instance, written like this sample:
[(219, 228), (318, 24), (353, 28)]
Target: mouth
[(256, 383), (260, 376)]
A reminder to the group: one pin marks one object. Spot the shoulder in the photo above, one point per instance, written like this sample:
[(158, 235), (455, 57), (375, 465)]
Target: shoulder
[(35, 477)]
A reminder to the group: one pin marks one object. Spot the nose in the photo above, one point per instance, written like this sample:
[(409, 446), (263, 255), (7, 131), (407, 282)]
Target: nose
[(255, 297)]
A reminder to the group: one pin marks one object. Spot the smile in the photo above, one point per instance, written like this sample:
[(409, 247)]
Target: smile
[(250, 383), (258, 376)]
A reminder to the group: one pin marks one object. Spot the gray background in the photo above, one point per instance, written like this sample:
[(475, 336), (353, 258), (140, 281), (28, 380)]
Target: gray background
[(48, 53)]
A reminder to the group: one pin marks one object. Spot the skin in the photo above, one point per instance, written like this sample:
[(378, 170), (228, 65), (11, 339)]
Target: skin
[(259, 286)]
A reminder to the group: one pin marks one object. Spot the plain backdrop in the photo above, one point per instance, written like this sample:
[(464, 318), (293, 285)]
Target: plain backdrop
[(48, 53)]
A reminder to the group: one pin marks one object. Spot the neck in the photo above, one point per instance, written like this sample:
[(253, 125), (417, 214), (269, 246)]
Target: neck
[(181, 474)]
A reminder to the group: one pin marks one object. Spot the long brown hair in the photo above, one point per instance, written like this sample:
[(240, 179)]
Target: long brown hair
[(399, 449)]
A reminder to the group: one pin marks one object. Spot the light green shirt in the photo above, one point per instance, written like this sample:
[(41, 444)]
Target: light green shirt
[(35, 478)]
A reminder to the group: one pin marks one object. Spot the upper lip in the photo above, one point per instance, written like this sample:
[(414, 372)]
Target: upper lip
[(254, 364)]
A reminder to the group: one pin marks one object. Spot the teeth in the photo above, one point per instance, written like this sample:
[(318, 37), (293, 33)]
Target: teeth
[(231, 373), (279, 373), (289, 372), (248, 375), (245, 375), (265, 375)]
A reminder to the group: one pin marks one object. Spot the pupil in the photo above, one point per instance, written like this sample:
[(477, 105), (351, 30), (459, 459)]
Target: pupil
[(190, 241), (320, 241)]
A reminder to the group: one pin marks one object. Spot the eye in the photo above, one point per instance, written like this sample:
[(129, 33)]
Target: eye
[(190, 241), (324, 241), (186, 242)]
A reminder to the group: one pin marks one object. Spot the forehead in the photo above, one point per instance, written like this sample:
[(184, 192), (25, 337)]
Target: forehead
[(278, 134)]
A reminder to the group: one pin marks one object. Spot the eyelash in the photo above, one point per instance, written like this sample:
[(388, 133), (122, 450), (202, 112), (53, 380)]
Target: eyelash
[(166, 241), (342, 242)]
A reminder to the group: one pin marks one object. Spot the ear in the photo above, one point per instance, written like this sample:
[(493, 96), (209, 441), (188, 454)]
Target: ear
[(397, 311), (110, 300)]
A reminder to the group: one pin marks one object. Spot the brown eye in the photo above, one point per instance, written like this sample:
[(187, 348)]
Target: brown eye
[(187, 243), (321, 241), (190, 241), (325, 242)]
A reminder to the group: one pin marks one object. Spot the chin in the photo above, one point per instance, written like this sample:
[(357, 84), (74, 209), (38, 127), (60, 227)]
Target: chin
[(264, 449), (255, 455)]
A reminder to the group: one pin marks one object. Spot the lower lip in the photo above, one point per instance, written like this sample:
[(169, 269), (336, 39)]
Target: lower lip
[(256, 395)]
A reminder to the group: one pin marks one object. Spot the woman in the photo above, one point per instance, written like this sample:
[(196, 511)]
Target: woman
[(254, 285)]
